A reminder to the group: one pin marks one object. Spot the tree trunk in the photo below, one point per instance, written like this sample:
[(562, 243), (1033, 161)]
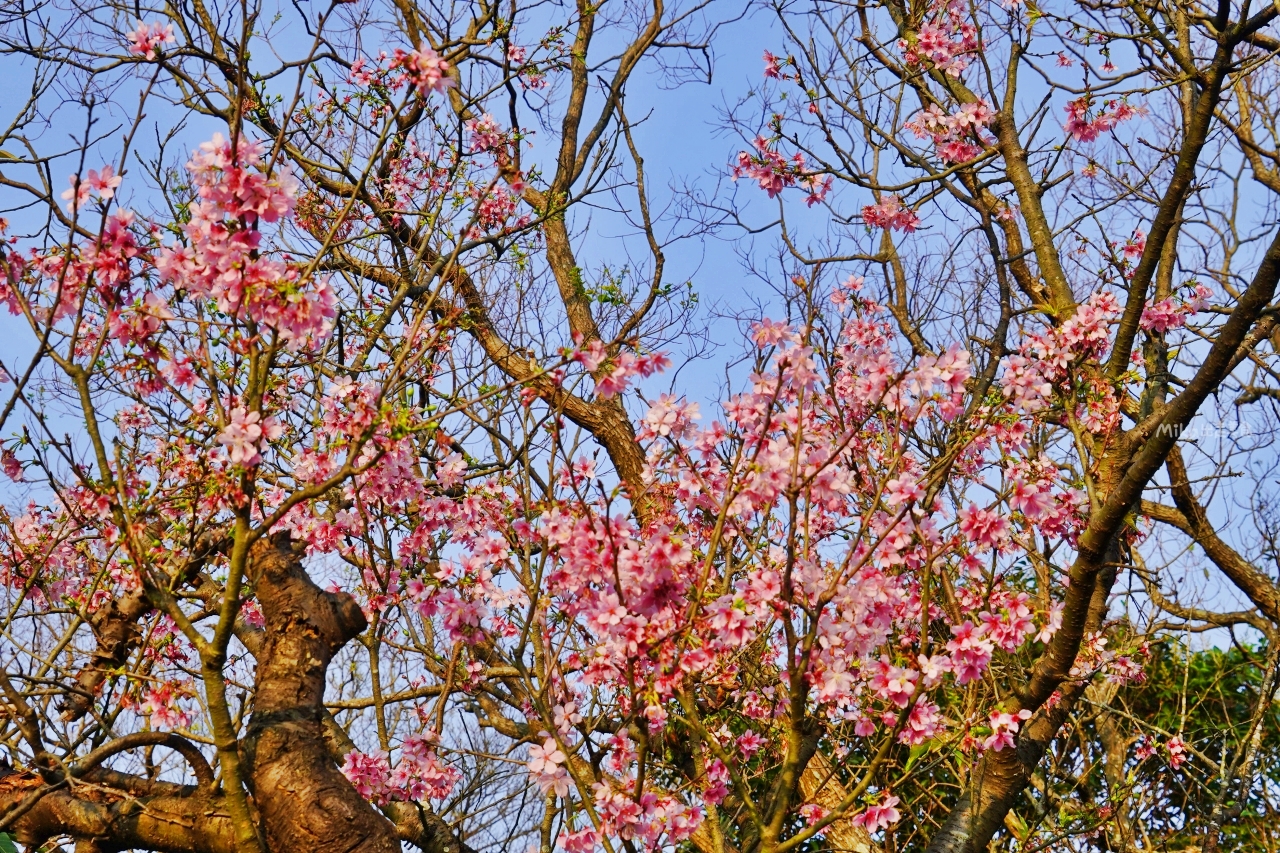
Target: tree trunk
[(305, 803)]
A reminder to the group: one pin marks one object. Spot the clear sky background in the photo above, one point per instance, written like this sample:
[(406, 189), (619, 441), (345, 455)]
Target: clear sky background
[(680, 134)]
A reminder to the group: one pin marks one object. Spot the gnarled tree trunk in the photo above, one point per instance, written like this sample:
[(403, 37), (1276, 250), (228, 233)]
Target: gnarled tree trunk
[(305, 804)]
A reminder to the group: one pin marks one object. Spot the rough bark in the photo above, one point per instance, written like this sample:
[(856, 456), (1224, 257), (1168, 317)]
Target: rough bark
[(117, 813), (116, 628), (305, 803), (819, 784)]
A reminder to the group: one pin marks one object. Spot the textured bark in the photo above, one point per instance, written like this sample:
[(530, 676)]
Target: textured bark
[(143, 815), (417, 824), (819, 785), (306, 805), (998, 780), (116, 628)]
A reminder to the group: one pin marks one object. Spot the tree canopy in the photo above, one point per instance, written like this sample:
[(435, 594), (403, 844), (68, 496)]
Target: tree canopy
[(355, 501)]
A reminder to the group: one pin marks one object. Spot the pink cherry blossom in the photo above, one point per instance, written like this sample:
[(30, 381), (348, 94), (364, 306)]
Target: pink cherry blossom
[(146, 38), (104, 184), (970, 652), (1177, 750), (223, 256), (813, 813), (891, 214), (669, 417), (160, 703), (717, 784), (582, 841), (246, 434), (369, 773), (78, 194), (361, 74), (771, 66), (486, 134), (545, 767), (1084, 128), (984, 529), (956, 137), (882, 815), (946, 41), (1004, 726), (903, 489), (924, 723), (749, 743), (772, 171), (12, 467), (425, 70)]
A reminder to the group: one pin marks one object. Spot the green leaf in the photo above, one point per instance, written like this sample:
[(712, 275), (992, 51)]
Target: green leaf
[(1018, 827), (6, 843), (916, 751)]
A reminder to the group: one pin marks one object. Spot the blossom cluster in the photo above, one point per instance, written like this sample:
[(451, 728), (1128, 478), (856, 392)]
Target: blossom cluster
[(418, 776), (486, 133), (246, 434), (615, 374), (774, 173), (1085, 126), (1172, 313), (495, 209), (423, 69), (649, 611), (145, 39), (957, 136), (103, 184), (223, 256), (891, 213), (662, 611), (165, 704), (947, 40), (1043, 360), (645, 614)]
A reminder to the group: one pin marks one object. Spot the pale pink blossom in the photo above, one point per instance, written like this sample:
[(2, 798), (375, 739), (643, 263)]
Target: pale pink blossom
[(771, 66), (891, 214), (545, 766), (12, 467), (1084, 125), (144, 39), (425, 70), (246, 434), (1177, 750), (1004, 726)]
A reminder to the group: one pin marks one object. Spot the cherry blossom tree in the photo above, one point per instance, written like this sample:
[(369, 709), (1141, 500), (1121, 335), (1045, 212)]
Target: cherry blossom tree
[(1122, 150), (344, 513)]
